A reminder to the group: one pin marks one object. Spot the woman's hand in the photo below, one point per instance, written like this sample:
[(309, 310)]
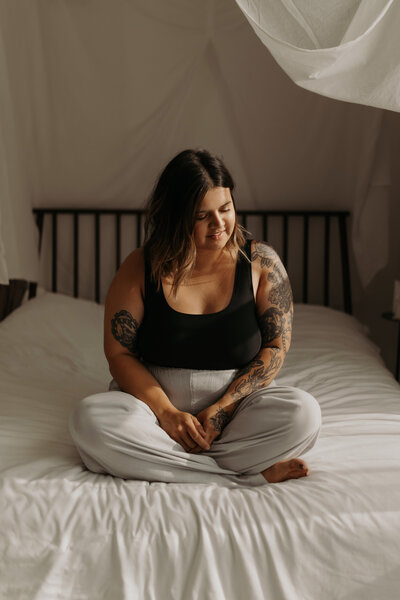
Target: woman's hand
[(213, 419), (185, 429)]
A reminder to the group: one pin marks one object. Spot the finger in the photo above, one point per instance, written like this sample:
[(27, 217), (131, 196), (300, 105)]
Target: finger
[(211, 435), (185, 445), (199, 426), (183, 440), (195, 450), (199, 439), (188, 441), (193, 439)]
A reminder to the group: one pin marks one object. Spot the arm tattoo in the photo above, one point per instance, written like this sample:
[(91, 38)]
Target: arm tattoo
[(265, 253), (271, 325), (277, 320), (274, 323), (124, 329), (281, 292), (259, 374), (220, 419)]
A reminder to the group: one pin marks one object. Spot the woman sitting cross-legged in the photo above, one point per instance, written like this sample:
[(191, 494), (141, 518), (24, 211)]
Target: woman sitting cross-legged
[(197, 325)]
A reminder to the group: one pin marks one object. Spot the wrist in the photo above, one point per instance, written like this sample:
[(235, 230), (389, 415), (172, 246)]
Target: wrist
[(165, 409), (228, 404)]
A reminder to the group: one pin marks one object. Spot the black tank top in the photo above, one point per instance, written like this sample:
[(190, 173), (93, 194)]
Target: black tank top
[(227, 339)]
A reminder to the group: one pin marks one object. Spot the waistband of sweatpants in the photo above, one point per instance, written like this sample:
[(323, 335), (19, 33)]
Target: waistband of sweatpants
[(151, 366)]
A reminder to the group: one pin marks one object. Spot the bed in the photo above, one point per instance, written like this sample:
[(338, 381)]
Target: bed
[(67, 533)]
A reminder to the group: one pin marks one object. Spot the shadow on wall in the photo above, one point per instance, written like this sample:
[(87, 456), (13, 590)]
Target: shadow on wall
[(377, 298), (11, 296)]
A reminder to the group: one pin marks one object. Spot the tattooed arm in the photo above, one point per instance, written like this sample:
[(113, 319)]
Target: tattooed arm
[(122, 317), (274, 303)]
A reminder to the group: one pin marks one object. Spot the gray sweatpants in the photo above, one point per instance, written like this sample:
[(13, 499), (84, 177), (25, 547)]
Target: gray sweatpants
[(118, 434)]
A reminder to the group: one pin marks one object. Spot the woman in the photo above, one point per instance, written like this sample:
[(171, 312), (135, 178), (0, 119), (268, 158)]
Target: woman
[(197, 325)]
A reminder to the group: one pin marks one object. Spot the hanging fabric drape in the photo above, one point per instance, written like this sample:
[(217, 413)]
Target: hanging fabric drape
[(344, 49), (348, 50)]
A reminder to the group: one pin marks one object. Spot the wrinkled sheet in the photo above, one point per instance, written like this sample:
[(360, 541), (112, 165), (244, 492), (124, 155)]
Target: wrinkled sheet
[(68, 533)]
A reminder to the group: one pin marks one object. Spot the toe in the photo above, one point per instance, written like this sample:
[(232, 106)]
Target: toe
[(298, 468), (298, 463)]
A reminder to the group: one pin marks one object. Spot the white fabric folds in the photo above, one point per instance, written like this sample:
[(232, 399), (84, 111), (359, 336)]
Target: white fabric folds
[(343, 49)]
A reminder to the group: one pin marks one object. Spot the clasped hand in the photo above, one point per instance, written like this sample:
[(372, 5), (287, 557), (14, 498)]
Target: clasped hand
[(194, 433)]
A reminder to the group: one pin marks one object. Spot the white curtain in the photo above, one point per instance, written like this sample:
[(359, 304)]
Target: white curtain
[(344, 49), (101, 95), (348, 50)]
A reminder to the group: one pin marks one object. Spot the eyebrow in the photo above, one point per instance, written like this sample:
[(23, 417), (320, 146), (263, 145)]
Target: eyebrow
[(222, 206)]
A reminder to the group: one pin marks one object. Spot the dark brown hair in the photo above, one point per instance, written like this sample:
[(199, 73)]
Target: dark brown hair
[(172, 206)]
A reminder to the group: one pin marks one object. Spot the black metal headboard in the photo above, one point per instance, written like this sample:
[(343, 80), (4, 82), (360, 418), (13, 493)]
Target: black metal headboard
[(278, 228)]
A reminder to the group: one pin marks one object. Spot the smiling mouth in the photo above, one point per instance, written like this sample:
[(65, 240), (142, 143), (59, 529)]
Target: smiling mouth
[(217, 234)]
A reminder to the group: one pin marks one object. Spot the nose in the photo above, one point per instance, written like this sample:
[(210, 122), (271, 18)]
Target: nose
[(216, 219)]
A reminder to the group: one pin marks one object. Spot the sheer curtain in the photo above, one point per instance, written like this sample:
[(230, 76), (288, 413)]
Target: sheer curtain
[(344, 49), (348, 50)]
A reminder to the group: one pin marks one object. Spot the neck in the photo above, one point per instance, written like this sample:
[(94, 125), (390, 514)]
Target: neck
[(208, 260)]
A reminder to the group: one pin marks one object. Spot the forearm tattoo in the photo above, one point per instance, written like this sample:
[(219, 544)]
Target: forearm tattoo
[(259, 374), (220, 419), (124, 329)]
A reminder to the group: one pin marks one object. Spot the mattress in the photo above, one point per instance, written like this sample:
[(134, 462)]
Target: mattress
[(66, 533)]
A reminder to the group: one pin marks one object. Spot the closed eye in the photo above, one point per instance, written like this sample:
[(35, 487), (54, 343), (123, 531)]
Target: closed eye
[(224, 209)]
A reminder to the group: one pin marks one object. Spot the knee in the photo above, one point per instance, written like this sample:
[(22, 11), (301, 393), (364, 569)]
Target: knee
[(84, 419), (307, 412)]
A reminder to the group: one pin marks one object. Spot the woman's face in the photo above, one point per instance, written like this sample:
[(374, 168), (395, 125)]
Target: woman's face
[(215, 220)]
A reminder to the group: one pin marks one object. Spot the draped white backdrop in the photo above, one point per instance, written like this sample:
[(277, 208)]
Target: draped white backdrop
[(97, 96)]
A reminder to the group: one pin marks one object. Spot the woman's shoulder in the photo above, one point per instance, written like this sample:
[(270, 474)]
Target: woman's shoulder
[(263, 255), (136, 257), (130, 274)]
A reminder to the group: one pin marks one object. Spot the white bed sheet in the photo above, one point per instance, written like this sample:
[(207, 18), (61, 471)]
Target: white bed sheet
[(68, 533)]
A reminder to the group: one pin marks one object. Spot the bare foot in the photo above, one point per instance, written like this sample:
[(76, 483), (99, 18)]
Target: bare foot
[(286, 469)]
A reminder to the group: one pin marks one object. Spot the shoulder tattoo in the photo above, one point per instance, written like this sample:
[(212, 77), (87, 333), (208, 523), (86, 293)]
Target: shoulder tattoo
[(265, 253), (124, 329)]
